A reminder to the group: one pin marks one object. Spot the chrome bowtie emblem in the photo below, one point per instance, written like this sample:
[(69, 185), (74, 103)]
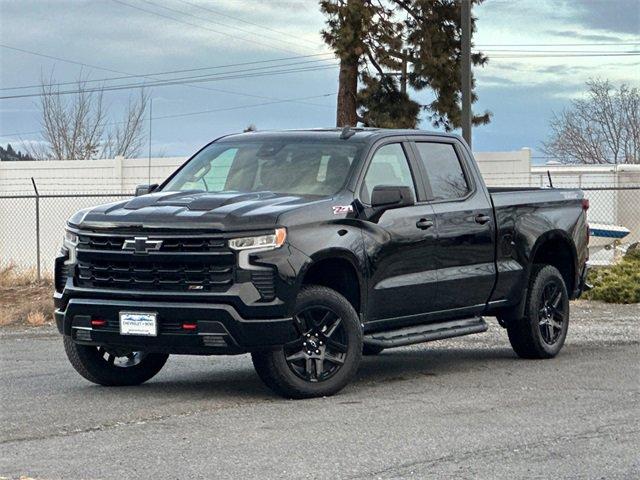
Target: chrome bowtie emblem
[(141, 245)]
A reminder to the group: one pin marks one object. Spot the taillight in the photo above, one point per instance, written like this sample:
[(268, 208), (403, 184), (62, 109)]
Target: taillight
[(98, 322), (189, 326)]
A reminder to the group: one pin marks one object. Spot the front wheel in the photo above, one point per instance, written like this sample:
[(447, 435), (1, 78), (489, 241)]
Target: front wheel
[(543, 330), (325, 355), (111, 367)]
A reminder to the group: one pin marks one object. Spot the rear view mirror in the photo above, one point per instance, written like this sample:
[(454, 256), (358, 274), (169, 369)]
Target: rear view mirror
[(386, 197), (144, 189)]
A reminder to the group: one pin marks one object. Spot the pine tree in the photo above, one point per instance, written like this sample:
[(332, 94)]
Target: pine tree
[(359, 32), (383, 105), (367, 36)]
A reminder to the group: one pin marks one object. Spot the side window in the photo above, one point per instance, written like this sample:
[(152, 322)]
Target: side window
[(444, 170), (389, 166)]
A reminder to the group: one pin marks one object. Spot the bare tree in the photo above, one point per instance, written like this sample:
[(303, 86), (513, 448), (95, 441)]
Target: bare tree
[(603, 128), (76, 127), (127, 138)]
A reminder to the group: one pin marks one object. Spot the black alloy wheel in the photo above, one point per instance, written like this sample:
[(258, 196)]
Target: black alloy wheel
[(551, 315), (113, 366), (321, 348), (326, 351), (542, 331)]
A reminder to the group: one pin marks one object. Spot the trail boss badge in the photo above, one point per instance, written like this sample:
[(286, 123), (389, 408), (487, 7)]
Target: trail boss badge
[(342, 209)]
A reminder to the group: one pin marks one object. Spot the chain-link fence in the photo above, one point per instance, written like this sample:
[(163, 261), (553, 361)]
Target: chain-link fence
[(31, 226), (614, 218)]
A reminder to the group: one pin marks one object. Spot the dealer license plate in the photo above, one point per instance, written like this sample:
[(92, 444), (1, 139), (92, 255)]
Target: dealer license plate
[(138, 323)]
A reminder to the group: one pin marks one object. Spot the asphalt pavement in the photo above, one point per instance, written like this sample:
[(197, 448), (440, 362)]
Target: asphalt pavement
[(461, 408)]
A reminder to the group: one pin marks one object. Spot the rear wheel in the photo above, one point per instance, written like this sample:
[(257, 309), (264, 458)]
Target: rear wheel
[(326, 354), (113, 367), (543, 330)]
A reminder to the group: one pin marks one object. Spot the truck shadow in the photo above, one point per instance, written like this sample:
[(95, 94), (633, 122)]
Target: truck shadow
[(405, 364), (391, 365)]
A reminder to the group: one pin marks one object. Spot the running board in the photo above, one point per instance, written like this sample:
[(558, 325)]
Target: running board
[(426, 333)]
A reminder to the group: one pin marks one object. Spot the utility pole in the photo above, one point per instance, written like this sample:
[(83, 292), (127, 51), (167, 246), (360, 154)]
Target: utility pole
[(466, 70), (150, 125), (403, 75)]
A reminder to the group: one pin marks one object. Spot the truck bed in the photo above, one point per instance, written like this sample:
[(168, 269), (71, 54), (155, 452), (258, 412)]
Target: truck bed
[(520, 196)]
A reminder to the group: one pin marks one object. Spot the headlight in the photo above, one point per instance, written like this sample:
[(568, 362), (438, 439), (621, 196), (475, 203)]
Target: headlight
[(70, 242), (263, 242)]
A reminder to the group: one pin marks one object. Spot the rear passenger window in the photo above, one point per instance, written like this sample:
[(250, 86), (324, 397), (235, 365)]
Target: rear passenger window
[(444, 170)]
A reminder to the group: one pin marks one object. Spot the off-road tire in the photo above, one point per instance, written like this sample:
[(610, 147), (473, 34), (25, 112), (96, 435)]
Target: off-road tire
[(525, 334), (272, 366), (89, 363)]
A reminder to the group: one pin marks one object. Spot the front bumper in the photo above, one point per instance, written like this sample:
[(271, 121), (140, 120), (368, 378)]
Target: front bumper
[(219, 328)]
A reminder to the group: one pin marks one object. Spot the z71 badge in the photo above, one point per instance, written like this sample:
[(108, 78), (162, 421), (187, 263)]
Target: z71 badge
[(341, 209)]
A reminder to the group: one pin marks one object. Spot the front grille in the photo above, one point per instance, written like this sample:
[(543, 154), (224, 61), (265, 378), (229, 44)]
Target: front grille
[(169, 244), (154, 276), (182, 264)]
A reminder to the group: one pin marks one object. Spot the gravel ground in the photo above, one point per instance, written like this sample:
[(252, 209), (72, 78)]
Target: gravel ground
[(463, 408)]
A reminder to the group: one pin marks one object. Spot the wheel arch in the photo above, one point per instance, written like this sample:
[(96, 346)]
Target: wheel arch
[(556, 248), (339, 270)]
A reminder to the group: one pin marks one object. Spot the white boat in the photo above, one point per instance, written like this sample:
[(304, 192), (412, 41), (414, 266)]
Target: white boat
[(602, 234), (603, 242)]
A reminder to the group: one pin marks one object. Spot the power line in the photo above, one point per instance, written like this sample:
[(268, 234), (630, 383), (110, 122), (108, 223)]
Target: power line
[(168, 72), (97, 67), (601, 44), (217, 12), (51, 57), (208, 78), (564, 55), (214, 22), (585, 52), (199, 112), (256, 42)]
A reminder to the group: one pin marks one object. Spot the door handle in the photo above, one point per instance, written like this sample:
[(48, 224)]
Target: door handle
[(424, 223), (482, 219)]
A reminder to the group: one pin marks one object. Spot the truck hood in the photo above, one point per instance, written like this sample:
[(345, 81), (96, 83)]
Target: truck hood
[(194, 210)]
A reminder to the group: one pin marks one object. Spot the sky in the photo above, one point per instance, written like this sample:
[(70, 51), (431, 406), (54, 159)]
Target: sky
[(287, 77)]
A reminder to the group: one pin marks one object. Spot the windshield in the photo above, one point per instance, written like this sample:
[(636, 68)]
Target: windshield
[(297, 167)]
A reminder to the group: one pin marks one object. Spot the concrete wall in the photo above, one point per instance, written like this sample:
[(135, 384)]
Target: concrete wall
[(505, 168), (102, 177), (84, 176)]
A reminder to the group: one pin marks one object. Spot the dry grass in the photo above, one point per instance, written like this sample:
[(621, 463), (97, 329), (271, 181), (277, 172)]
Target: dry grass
[(23, 299)]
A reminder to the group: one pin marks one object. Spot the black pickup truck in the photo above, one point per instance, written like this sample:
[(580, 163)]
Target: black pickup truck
[(310, 248)]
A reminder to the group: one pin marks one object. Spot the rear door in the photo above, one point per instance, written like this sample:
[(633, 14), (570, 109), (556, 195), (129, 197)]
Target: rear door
[(400, 244), (464, 251)]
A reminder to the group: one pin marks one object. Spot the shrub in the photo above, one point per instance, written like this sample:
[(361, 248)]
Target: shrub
[(23, 299), (619, 283)]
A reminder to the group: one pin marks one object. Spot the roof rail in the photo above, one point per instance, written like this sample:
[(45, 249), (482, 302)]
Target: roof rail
[(347, 133)]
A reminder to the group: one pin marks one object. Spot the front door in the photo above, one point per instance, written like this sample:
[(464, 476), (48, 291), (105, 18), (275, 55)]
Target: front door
[(400, 244), (464, 253)]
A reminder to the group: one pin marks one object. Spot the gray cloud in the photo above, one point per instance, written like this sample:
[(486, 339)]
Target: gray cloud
[(621, 16), (590, 37)]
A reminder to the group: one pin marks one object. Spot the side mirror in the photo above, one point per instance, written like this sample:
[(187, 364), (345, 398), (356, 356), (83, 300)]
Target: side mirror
[(385, 197), (144, 189)]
